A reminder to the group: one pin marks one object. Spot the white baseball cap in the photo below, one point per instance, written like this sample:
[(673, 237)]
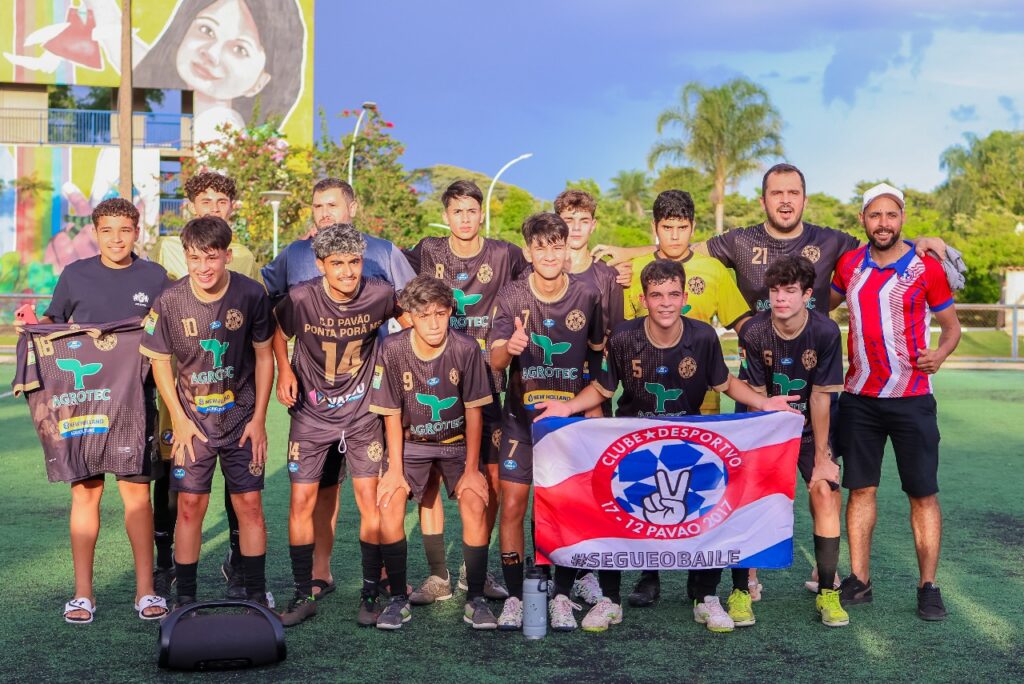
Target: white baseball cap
[(871, 194)]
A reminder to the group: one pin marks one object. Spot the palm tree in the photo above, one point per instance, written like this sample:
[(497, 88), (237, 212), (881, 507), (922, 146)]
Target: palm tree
[(727, 131), (631, 187)]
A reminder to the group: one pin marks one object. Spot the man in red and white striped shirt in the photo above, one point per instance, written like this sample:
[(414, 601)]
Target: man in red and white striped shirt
[(892, 293)]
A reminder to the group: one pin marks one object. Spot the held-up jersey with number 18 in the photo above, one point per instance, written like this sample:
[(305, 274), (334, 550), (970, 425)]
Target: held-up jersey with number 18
[(431, 395), (84, 389), (213, 344), (750, 251), (812, 360), (564, 331), (662, 381), (334, 350), (475, 280)]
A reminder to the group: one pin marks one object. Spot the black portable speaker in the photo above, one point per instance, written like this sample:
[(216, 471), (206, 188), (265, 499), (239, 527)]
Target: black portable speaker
[(221, 639)]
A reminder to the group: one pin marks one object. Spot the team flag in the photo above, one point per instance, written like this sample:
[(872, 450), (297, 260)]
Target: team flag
[(666, 493)]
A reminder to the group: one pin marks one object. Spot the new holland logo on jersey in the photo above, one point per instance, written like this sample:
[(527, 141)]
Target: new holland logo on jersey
[(669, 481), (84, 425), (215, 403)]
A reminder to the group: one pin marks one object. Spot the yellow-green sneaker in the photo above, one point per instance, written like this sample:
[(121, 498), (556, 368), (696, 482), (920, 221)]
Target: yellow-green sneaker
[(831, 610), (741, 609)]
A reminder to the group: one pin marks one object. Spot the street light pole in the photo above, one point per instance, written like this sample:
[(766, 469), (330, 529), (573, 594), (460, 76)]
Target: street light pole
[(355, 134), (490, 189), (275, 197)]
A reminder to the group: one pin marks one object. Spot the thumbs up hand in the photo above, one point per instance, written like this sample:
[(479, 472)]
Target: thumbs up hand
[(519, 341)]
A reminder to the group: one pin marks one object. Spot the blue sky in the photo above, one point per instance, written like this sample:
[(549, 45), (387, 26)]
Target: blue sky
[(867, 90)]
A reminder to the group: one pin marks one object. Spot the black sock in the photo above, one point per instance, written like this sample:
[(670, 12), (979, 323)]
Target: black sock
[(372, 562), (650, 574), (476, 569), (433, 548), (256, 574), (395, 559), (701, 583), (826, 554), (740, 577), (186, 574), (302, 568), (164, 515), (164, 549), (564, 577), (611, 584), (233, 535), (512, 571)]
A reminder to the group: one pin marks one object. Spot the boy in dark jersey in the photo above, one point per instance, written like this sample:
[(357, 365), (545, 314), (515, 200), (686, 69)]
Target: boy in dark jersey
[(113, 286), (334, 320), (431, 385), (218, 327), (476, 268), (795, 350), (665, 363), (548, 326)]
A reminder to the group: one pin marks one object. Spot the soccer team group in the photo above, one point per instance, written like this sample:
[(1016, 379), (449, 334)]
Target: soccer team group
[(400, 359)]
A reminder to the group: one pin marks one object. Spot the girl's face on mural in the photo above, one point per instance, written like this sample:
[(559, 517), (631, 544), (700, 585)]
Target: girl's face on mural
[(221, 56)]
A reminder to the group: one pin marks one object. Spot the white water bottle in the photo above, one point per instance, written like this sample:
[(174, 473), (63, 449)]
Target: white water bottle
[(535, 603)]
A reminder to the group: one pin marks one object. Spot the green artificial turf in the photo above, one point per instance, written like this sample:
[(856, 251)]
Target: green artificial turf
[(980, 574)]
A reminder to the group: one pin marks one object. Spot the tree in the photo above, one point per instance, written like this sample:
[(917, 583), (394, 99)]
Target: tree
[(727, 131), (631, 187), (986, 173)]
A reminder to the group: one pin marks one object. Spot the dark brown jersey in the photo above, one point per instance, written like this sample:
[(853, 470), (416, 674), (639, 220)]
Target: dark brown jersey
[(475, 281), (810, 361), (335, 344), (604, 278), (431, 395), (84, 386), (564, 333), (662, 381), (213, 344), (750, 251)]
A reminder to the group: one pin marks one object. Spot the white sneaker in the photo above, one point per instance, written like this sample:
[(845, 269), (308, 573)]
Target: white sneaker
[(710, 613), (560, 611), (511, 615), (587, 589), (603, 614)]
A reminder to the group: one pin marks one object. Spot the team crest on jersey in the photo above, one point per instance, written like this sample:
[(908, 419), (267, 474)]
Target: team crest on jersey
[(453, 376), (812, 253), (106, 342), (496, 438), (671, 482), (687, 367), (575, 320), (696, 285), (809, 358), (375, 452), (768, 357), (141, 299), (234, 319), (485, 273), (255, 469)]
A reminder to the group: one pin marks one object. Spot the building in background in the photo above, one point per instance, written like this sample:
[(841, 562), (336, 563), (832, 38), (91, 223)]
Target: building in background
[(198, 65)]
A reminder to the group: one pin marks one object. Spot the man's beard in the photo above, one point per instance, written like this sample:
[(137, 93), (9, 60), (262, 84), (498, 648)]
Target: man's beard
[(794, 221), (896, 239)]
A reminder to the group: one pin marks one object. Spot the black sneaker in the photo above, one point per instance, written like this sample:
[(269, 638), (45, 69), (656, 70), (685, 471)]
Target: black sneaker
[(369, 610), (929, 603), (184, 601), (396, 613), (300, 608), (235, 577), (852, 591), (163, 581), (646, 591)]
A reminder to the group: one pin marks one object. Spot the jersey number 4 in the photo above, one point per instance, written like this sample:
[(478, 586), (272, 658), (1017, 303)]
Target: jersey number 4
[(349, 362)]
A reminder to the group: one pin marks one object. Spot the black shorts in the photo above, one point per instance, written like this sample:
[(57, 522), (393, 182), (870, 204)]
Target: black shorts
[(316, 456), (911, 424), (419, 459), (490, 442), (805, 463), (240, 473), (516, 460)]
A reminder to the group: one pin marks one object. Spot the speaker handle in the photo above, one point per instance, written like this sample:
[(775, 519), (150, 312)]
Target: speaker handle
[(168, 623)]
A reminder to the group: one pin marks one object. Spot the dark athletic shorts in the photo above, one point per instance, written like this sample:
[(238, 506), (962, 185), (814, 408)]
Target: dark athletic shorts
[(911, 424), (490, 442), (805, 462), (418, 459), (240, 473), (316, 456), (516, 460)]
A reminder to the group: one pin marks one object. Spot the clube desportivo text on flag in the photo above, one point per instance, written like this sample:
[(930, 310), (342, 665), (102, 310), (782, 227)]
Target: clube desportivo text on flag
[(672, 493)]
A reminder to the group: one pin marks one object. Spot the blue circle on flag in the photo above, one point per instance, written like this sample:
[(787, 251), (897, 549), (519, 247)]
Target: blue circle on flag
[(634, 478)]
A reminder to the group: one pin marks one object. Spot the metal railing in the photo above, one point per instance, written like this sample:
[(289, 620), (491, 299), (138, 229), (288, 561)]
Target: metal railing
[(170, 207), (92, 127)]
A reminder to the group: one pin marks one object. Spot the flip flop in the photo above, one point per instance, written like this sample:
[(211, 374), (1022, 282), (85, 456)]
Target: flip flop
[(80, 603), (151, 601), (324, 586)]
